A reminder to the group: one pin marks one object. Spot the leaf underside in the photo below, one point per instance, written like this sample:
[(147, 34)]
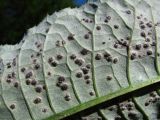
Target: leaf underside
[(78, 58)]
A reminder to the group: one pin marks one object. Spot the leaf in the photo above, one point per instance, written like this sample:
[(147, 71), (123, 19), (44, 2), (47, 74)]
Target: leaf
[(78, 58)]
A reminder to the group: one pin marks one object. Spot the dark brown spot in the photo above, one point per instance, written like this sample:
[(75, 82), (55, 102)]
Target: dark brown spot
[(9, 65), (38, 88), (98, 27), (149, 52), (53, 64), (115, 60), (70, 37), (8, 80), (44, 87), (16, 84), (67, 97), (73, 56), (106, 21), (37, 100), (146, 103), (86, 36), (115, 45), (143, 34), (85, 70), (116, 26), (79, 74), (88, 81), (128, 12), (59, 57), (86, 77), (50, 60), (33, 82), (38, 54), (88, 66), (23, 69), (133, 56), (84, 52), (64, 86), (142, 27), (109, 78), (98, 56), (103, 43), (36, 66), (28, 82), (49, 73), (145, 45), (29, 75), (79, 62), (108, 17), (61, 79), (106, 54), (138, 46), (148, 40), (91, 93), (12, 106), (149, 25), (109, 59), (44, 110)]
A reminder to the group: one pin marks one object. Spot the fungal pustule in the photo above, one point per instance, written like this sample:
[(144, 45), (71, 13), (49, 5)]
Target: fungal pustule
[(84, 51), (64, 86), (98, 56), (109, 78), (73, 56), (67, 97), (85, 70), (59, 57), (79, 74), (37, 100), (12, 106), (33, 82), (38, 88), (29, 75)]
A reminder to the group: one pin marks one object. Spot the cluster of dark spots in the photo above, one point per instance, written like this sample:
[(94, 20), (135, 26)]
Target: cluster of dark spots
[(14, 62), (37, 100), (79, 74), (12, 106), (109, 78), (33, 82), (152, 99), (84, 51), (79, 61), (91, 93), (16, 84), (98, 27), (38, 89), (71, 37), (133, 56), (36, 66), (61, 83), (116, 26), (86, 36), (73, 56), (85, 70), (29, 75), (107, 19), (98, 56), (59, 57), (87, 20), (67, 97)]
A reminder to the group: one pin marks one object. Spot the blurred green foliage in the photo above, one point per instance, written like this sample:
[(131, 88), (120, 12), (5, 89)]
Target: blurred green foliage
[(16, 16)]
